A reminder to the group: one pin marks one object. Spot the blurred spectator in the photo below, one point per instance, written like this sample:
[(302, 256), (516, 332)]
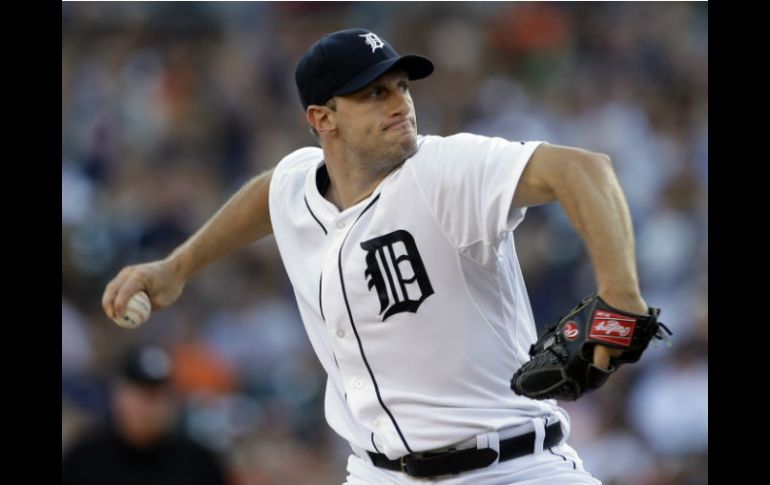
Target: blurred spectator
[(141, 445)]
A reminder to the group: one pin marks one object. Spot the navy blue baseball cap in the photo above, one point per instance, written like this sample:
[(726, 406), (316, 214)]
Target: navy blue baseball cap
[(347, 60)]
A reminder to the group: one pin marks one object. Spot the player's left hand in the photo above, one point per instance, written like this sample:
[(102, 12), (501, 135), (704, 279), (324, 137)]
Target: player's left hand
[(580, 352)]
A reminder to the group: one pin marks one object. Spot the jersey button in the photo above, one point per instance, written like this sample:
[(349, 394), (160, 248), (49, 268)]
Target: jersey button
[(340, 224), (340, 333), (358, 383)]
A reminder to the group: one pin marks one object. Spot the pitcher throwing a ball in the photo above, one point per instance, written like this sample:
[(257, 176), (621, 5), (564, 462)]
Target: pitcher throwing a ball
[(400, 251)]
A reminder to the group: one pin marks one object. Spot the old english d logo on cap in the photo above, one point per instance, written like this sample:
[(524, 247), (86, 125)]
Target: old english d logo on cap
[(373, 41)]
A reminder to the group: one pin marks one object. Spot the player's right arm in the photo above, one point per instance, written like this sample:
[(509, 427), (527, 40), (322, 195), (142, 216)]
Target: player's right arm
[(244, 219)]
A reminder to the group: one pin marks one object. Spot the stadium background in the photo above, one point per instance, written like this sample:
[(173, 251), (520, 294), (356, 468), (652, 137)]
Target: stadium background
[(167, 108)]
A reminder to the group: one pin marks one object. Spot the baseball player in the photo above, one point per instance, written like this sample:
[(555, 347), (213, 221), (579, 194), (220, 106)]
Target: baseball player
[(400, 251)]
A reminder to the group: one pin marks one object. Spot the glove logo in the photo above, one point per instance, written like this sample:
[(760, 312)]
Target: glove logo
[(571, 331), (612, 328)]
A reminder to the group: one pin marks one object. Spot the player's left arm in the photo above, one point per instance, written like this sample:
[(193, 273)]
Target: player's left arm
[(585, 185)]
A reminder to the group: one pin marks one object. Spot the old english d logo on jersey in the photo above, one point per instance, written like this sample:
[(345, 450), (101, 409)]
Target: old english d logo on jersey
[(394, 267)]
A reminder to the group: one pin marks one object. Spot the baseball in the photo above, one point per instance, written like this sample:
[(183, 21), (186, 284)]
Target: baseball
[(137, 311)]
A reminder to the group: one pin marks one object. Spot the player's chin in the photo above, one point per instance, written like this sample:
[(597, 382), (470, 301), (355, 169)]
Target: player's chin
[(405, 137), (397, 147), (407, 146)]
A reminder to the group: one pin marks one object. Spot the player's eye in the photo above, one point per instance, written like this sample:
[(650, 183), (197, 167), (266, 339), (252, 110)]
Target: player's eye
[(377, 92), (404, 85)]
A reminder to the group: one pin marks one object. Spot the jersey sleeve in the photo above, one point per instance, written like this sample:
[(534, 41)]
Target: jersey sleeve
[(288, 177), (469, 182)]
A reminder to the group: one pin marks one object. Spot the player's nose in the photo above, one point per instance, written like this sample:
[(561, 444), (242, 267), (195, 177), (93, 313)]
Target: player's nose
[(399, 104)]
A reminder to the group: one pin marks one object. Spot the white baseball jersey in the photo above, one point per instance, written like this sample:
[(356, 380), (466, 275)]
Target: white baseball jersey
[(413, 299)]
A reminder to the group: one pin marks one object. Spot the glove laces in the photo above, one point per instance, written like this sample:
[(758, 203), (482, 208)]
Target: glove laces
[(665, 336)]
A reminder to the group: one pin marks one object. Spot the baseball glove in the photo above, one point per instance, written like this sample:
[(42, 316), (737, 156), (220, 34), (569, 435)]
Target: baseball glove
[(562, 366)]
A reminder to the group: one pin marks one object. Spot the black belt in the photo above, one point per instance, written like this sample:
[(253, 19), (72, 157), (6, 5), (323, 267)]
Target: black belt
[(431, 464)]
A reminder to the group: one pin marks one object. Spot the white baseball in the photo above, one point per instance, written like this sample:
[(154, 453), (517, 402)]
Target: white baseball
[(137, 311)]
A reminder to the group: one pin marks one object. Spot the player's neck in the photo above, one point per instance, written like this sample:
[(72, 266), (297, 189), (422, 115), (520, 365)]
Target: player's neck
[(345, 192), (350, 185)]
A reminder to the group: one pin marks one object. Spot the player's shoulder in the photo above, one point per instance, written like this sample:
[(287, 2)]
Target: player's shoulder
[(458, 144), (467, 145), (458, 139), (462, 147), (300, 158), (297, 163)]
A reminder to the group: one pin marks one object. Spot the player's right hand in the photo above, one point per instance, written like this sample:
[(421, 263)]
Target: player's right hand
[(158, 279)]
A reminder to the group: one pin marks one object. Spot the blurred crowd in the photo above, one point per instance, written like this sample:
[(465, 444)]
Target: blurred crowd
[(168, 108)]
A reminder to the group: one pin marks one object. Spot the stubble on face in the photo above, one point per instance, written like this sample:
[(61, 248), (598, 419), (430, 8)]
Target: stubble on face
[(394, 154), (380, 141)]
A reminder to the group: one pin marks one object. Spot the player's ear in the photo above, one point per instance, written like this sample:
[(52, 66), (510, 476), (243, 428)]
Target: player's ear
[(321, 118)]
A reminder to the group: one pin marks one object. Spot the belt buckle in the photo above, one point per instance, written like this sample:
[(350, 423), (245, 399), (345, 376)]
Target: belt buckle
[(402, 464)]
